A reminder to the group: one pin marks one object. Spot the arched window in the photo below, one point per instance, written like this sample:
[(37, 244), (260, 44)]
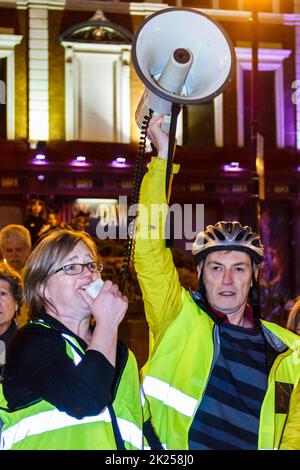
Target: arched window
[(97, 77)]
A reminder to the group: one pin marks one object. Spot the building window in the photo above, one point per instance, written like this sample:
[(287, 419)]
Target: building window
[(267, 107), (203, 124), (8, 43), (270, 60), (198, 125), (97, 68)]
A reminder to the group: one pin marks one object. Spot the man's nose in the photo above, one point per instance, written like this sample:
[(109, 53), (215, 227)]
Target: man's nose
[(227, 277)]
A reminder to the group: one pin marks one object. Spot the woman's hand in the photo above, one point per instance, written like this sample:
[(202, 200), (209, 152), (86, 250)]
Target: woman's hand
[(109, 307), (157, 136)]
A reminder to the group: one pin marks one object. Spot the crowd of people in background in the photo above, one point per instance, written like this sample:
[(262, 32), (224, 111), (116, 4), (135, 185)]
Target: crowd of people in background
[(16, 244), (65, 343)]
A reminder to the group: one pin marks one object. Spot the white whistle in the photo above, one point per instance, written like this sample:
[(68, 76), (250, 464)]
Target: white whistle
[(94, 288)]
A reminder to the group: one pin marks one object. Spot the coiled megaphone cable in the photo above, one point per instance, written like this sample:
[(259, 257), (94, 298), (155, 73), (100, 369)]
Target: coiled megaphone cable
[(131, 219)]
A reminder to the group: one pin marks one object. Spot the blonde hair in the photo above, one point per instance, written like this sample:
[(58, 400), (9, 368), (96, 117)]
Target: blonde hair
[(44, 261), (14, 231), (293, 322)]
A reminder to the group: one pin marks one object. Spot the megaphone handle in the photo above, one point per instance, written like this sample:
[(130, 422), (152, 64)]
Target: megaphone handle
[(175, 110)]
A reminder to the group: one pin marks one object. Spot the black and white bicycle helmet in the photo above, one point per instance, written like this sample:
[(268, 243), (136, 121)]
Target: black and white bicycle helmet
[(228, 236)]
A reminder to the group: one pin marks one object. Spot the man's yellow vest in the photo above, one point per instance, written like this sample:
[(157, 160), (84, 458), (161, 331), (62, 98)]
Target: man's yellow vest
[(174, 382)]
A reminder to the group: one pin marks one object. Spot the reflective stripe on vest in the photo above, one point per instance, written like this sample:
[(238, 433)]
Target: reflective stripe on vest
[(76, 357), (45, 421), (170, 396), (54, 419), (131, 433)]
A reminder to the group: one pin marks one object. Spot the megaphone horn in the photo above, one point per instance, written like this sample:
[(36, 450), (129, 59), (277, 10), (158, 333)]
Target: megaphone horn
[(182, 56)]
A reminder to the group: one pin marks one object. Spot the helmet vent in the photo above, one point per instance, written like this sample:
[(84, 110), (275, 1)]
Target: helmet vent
[(229, 227), (240, 235), (219, 235)]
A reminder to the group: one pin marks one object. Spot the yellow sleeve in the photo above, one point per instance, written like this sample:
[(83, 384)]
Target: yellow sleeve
[(291, 435), (154, 264)]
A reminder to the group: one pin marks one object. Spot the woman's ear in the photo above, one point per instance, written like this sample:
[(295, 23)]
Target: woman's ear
[(43, 291)]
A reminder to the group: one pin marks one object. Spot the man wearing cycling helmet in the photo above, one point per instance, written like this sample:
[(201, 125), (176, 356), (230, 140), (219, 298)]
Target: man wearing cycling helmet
[(217, 377)]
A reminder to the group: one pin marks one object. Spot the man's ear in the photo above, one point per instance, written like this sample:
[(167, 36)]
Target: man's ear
[(256, 272)]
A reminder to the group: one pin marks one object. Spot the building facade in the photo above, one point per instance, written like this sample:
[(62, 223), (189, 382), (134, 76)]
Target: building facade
[(68, 89)]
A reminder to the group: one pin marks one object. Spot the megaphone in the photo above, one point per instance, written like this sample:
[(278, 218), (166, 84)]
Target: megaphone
[(182, 56)]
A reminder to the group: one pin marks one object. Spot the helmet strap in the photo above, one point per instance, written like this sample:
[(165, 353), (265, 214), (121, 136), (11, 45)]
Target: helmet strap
[(202, 290)]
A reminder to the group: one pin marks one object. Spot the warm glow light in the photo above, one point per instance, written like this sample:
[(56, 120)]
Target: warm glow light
[(40, 156), (81, 158), (38, 125)]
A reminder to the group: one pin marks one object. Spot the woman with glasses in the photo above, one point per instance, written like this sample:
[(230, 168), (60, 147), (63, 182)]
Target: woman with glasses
[(65, 386)]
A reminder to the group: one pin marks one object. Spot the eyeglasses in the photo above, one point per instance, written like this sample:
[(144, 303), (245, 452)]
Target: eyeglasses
[(77, 268)]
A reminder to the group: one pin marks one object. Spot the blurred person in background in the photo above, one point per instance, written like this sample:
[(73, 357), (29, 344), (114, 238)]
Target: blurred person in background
[(51, 222), (15, 247), (11, 299), (81, 221), (34, 219)]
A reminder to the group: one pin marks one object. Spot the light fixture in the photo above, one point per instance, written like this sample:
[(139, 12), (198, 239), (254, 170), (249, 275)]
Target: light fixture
[(40, 159), (120, 162), (121, 159), (232, 167), (80, 161), (41, 177)]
